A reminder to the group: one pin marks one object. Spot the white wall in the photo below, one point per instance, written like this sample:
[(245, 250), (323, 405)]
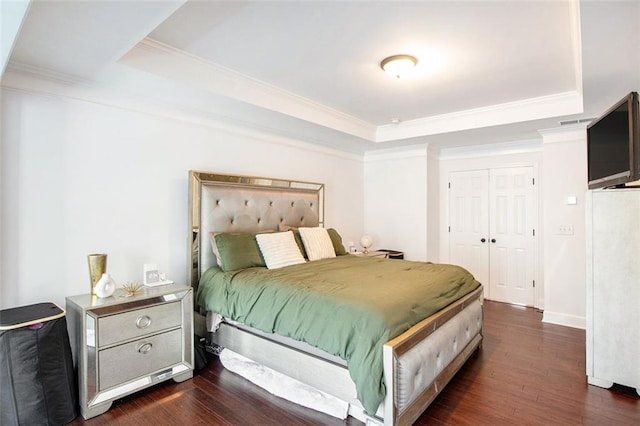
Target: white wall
[(564, 173), (80, 178), (433, 201), (395, 201)]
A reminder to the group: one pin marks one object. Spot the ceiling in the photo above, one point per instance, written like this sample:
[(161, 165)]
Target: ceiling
[(488, 71)]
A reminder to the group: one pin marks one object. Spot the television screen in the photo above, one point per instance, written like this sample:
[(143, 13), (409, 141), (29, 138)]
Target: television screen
[(611, 145)]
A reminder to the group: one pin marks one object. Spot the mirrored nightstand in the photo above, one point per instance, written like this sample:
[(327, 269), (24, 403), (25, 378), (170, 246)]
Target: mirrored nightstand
[(124, 344)]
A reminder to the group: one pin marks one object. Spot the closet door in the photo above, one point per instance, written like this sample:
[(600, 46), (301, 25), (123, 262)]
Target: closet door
[(512, 254), (469, 223), (492, 214)]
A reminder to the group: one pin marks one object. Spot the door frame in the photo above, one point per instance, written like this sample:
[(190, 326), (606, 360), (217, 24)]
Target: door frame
[(483, 160)]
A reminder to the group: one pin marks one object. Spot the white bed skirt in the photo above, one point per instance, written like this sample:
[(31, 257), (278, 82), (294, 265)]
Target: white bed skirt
[(283, 386)]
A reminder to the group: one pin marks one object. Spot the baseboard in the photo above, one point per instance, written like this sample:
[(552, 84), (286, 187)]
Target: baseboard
[(564, 319)]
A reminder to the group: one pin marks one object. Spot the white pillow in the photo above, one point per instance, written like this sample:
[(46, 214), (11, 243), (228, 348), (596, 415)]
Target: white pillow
[(317, 243), (279, 249)]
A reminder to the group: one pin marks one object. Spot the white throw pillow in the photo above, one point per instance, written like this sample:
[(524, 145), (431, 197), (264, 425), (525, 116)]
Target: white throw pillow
[(279, 249), (317, 243)]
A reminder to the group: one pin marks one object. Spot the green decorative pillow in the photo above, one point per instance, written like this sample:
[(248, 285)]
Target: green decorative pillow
[(336, 239), (238, 251)]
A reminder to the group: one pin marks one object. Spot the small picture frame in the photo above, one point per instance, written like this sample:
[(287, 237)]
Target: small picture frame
[(150, 274), (152, 277)]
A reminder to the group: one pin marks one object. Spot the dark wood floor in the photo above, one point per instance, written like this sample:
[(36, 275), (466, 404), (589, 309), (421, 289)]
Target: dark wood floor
[(527, 373)]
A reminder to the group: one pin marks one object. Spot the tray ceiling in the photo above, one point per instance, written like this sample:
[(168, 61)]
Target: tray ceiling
[(512, 66)]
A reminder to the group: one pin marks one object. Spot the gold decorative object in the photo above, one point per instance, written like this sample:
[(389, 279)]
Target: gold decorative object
[(131, 289), (97, 267)]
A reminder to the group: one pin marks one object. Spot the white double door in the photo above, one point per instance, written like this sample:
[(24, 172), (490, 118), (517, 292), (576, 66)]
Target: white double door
[(492, 217)]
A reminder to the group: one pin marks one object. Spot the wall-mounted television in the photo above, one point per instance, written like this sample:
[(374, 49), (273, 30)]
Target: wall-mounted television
[(613, 145)]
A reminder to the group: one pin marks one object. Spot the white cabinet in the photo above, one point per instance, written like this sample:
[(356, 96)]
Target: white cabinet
[(124, 344), (613, 287)]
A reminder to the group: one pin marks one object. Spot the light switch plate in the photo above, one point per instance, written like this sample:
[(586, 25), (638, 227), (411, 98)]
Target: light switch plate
[(565, 230)]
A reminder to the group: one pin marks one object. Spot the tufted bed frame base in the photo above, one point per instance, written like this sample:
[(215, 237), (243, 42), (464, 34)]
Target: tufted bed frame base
[(417, 364)]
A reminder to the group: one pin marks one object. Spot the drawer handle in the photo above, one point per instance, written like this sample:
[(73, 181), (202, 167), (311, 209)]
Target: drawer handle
[(145, 348), (143, 321)]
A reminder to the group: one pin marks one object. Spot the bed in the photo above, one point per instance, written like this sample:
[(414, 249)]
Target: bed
[(416, 360)]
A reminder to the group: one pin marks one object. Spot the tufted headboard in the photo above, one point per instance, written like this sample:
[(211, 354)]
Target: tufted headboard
[(228, 203)]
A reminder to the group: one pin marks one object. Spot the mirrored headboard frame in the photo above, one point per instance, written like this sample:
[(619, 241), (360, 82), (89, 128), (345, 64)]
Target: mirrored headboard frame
[(232, 203)]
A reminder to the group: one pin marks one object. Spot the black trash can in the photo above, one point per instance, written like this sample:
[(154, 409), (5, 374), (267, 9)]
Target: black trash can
[(37, 380)]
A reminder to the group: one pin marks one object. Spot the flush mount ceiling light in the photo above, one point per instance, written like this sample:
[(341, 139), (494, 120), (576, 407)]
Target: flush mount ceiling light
[(399, 65)]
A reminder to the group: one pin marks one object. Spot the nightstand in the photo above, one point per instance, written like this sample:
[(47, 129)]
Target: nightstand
[(374, 253), (394, 254), (124, 344)]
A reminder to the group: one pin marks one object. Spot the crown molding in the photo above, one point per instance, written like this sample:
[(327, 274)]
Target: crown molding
[(396, 153), (24, 78), (572, 133), (491, 150), (158, 58), (45, 74), (511, 112), (169, 64)]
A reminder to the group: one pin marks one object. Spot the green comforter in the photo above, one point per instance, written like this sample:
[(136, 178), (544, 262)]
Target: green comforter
[(348, 306)]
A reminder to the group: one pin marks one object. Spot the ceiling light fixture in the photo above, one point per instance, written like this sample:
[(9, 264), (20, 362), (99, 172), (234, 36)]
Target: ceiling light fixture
[(399, 65)]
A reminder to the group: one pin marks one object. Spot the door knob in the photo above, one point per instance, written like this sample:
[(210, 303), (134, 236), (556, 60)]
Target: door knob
[(483, 240), (493, 240)]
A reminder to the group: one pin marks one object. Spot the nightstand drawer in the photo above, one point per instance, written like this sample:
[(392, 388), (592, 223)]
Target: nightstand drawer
[(137, 323), (135, 359)]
